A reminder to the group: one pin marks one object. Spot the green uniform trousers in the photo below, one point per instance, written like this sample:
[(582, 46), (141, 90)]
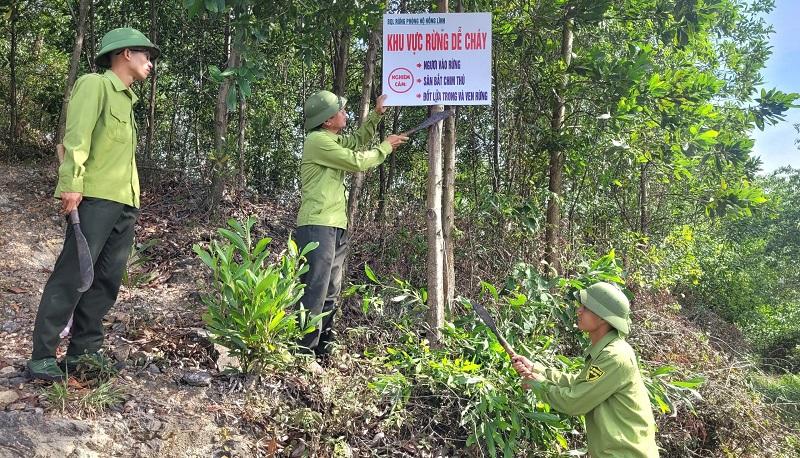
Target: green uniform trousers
[(109, 230), (323, 280)]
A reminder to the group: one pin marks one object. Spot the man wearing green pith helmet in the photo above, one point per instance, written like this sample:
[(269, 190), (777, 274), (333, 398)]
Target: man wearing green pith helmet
[(98, 177), (327, 157), (609, 391)]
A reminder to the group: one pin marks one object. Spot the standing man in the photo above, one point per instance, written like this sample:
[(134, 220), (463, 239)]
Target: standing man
[(609, 391), (327, 157), (98, 178)]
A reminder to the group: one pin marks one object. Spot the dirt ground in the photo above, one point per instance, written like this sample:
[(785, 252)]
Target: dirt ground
[(155, 329)]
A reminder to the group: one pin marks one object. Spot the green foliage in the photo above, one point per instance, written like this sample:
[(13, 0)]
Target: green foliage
[(783, 391), (400, 292), (252, 310), (471, 374)]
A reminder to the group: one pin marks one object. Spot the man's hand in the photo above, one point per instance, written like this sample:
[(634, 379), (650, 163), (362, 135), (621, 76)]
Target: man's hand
[(526, 370), (70, 201), (396, 140), (379, 108)]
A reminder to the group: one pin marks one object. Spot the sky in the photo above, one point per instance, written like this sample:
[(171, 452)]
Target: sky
[(775, 145)]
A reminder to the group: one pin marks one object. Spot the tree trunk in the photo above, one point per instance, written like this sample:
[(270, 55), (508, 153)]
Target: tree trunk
[(643, 223), (553, 223), (363, 111), (151, 109), (92, 45), (448, 208), (12, 90), (380, 214), (241, 144), (448, 199), (436, 299), (341, 56), (74, 61), (221, 156), (495, 160)]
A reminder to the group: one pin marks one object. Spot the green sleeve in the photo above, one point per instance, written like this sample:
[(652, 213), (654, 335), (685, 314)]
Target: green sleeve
[(83, 111), (364, 134), (603, 378), (555, 376), (327, 152)]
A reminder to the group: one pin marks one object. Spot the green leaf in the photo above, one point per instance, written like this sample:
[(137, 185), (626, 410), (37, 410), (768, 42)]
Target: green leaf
[(370, 273)]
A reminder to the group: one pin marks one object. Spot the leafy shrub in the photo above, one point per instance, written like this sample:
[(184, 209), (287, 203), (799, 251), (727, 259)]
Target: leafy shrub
[(470, 380), (251, 309)]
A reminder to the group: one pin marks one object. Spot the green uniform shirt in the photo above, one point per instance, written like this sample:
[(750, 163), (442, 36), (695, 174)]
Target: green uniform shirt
[(100, 141), (610, 394), (326, 159)]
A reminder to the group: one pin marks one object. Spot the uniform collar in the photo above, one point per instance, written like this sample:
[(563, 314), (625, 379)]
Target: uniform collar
[(119, 86), (594, 350)]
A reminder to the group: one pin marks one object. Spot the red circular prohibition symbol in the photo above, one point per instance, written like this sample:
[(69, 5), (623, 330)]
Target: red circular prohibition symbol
[(401, 80)]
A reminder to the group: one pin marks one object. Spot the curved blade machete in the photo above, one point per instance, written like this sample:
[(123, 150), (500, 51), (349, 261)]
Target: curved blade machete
[(489, 321), (85, 264), (432, 119)]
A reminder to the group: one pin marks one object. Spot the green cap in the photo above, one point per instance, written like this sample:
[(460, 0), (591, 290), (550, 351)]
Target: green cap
[(321, 106), (609, 303), (120, 39)]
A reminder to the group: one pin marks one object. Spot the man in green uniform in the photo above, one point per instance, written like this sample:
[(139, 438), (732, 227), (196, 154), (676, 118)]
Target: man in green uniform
[(609, 391), (327, 157), (98, 177)]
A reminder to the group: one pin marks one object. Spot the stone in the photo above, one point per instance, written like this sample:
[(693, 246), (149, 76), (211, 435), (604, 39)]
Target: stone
[(199, 378), (225, 360), (8, 397), (8, 371), (122, 352)]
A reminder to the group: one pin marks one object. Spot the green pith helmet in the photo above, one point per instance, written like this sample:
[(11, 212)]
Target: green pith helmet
[(609, 303), (321, 106), (121, 39)]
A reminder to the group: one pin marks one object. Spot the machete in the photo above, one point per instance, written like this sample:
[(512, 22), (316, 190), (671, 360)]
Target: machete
[(85, 264), (489, 321), (432, 119)]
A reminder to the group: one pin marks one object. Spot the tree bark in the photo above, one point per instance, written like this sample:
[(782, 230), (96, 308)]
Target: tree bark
[(495, 158), (448, 208), (436, 295), (643, 220), (151, 109), (553, 222), (12, 90), (341, 51), (74, 61), (220, 162), (241, 144), (363, 111)]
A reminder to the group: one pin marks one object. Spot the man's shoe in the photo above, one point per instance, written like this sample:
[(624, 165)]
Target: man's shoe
[(46, 369)]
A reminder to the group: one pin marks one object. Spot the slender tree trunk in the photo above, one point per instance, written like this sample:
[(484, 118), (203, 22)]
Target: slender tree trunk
[(341, 56), (496, 146), (553, 223), (448, 198), (380, 214), (74, 61), (643, 220), (436, 295), (151, 109), (92, 45), (363, 111), (220, 163), (12, 90), (448, 207), (241, 144)]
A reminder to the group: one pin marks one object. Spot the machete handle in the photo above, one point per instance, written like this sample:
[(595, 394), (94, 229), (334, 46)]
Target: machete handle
[(74, 218)]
